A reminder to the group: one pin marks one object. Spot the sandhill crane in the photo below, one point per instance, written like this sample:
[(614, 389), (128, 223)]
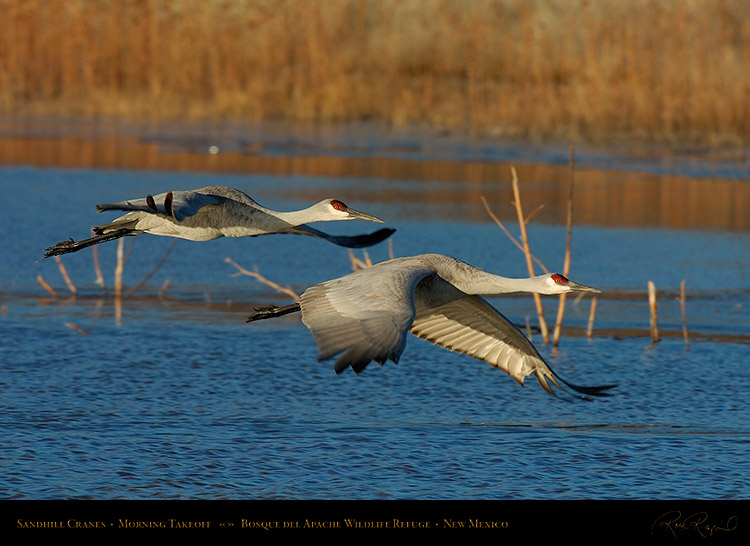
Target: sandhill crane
[(365, 315), (218, 211)]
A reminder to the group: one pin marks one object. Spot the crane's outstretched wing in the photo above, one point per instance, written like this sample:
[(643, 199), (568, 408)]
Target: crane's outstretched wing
[(174, 204), (469, 325), (364, 316)]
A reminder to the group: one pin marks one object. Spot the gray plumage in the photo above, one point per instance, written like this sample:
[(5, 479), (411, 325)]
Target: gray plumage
[(218, 211), (365, 316)]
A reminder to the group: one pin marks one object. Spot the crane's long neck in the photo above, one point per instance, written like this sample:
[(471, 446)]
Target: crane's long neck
[(299, 217), (471, 280), (487, 283)]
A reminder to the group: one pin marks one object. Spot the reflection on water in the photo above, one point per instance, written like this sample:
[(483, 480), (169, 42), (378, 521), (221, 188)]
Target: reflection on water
[(450, 176)]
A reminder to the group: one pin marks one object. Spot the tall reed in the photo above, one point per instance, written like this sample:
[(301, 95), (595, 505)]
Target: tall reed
[(573, 68)]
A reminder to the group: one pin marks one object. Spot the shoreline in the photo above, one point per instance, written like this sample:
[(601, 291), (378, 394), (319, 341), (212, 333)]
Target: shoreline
[(576, 70), (690, 191)]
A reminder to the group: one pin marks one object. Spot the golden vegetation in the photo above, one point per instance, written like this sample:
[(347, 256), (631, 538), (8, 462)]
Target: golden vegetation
[(570, 68)]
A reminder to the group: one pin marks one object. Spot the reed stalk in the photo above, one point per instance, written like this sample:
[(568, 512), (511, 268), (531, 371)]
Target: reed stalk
[(527, 252), (592, 314), (99, 279), (653, 322), (119, 266), (684, 316), (164, 286), (65, 276), (568, 239)]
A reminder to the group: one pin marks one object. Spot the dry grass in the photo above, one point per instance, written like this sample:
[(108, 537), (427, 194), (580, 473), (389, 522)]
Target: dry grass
[(572, 68)]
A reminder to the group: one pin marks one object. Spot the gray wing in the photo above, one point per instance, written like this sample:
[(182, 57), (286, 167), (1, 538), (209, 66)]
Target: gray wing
[(470, 325), (364, 316), (180, 204)]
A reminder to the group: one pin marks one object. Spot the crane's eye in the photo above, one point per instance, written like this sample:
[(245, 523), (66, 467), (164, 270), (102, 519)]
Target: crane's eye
[(338, 205), (559, 279)]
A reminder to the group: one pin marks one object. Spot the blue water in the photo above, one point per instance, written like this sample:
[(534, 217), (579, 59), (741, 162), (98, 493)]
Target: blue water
[(177, 398)]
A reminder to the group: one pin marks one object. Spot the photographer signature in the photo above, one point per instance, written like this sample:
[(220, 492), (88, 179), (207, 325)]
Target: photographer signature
[(697, 522)]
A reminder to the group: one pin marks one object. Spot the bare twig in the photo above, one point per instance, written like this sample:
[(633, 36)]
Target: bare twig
[(256, 275), (154, 270), (510, 236), (76, 328), (65, 276), (533, 213), (46, 286), (527, 252)]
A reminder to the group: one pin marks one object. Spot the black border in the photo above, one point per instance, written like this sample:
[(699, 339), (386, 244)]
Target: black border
[(667, 522)]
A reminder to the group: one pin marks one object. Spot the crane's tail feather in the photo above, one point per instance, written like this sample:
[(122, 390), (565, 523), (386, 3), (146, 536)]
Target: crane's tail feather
[(65, 247), (148, 204)]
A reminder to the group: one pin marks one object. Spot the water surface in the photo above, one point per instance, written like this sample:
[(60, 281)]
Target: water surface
[(170, 395)]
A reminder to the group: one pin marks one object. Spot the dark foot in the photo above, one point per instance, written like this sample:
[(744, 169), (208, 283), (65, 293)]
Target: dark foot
[(272, 311)]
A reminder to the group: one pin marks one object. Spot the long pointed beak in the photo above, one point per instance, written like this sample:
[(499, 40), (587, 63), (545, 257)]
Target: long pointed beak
[(575, 287), (355, 214)]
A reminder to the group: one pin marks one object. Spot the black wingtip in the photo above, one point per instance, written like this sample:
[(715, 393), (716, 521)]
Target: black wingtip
[(361, 241), (589, 393)]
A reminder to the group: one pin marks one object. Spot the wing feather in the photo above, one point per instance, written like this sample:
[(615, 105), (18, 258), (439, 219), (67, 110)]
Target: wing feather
[(364, 316), (176, 204), (472, 326)]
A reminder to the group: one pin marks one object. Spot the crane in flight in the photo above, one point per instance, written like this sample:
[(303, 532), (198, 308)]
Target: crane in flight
[(366, 315), (219, 211)]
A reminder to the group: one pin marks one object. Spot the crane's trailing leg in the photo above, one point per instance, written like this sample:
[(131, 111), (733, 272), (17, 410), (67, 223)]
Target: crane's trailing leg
[(272, 311), (64, 247)]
